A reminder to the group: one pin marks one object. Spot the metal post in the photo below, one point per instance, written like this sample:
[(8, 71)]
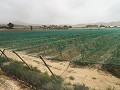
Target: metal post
[(47, 67), (21, 59), (5, 55)]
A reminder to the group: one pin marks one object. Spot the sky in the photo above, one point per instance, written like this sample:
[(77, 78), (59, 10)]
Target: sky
[(59, 11)]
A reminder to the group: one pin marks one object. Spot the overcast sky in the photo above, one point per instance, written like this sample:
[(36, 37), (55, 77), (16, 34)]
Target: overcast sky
[(59, 11)]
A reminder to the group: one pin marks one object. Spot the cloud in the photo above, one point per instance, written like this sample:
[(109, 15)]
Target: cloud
[(114, 11), (59, 11), (76, 4)]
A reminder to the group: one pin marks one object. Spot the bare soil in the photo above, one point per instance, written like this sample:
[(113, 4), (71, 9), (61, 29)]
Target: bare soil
[(7, 83)]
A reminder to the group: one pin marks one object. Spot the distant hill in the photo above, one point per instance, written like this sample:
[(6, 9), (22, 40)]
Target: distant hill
[(25, 24), (99, 23), (19, 23)]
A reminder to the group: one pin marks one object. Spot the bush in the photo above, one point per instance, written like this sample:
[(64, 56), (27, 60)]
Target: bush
[(110, 88), (83, 63), (10, 25), (71, 78), (113, 69), (112, 66), (3, 60), (80, 87), (57, 83), (31, 76)]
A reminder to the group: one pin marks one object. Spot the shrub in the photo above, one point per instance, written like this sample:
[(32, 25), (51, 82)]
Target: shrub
[(2, 60), (31, 76), (83, 63), (10, 25), (57, 83), (71, 78), (110, 88), (112, 66), (113, 69), (80, 87)]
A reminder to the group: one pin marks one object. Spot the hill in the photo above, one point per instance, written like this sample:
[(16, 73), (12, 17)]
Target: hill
[(99, 23)]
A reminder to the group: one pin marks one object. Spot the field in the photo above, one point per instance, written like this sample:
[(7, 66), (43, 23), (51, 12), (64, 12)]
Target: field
[(93, 46), (99, 48)]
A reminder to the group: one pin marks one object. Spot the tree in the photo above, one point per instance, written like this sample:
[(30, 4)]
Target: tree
[(10, 25), (31, 27), (70, 26), (65, 26)]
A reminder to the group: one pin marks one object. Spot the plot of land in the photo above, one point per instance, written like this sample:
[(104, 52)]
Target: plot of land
[(82, 47)]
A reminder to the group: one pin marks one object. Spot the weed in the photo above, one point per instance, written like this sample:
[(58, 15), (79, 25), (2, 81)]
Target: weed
[(80, 87), (31, 76), (71, 78)]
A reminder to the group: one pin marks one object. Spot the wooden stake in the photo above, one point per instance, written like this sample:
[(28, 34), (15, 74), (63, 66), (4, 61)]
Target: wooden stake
[(5, 55), (48, 67), (21, 59), (2, 51)]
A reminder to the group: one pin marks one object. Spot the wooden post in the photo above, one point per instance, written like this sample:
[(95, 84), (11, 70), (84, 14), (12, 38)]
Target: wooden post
[(2, 51), (48, 67), (21, 59), (5, 55)]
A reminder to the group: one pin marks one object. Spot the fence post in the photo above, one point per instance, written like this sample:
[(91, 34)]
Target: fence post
[(2, 51), (21, 59), (5, 55), (48, 67), (55, 83)]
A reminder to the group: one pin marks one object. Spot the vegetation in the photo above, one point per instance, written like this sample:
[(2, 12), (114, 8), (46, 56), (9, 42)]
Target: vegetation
[(80, 87), (113, 65), (10, 25), (27, 75), (3, 60), (71, 78), (33, 77), (110, 88), (30, 76), (92, 26), (54, 27), (82, 47)]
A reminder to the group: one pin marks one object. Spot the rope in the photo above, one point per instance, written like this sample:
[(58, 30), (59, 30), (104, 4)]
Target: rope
[(66, 68)]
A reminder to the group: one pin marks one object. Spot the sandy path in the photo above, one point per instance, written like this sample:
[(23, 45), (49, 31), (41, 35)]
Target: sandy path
[(90, 77)]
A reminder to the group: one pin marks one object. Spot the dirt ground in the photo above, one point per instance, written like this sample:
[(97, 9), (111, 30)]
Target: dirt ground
[(90, 77), (7, 83)]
